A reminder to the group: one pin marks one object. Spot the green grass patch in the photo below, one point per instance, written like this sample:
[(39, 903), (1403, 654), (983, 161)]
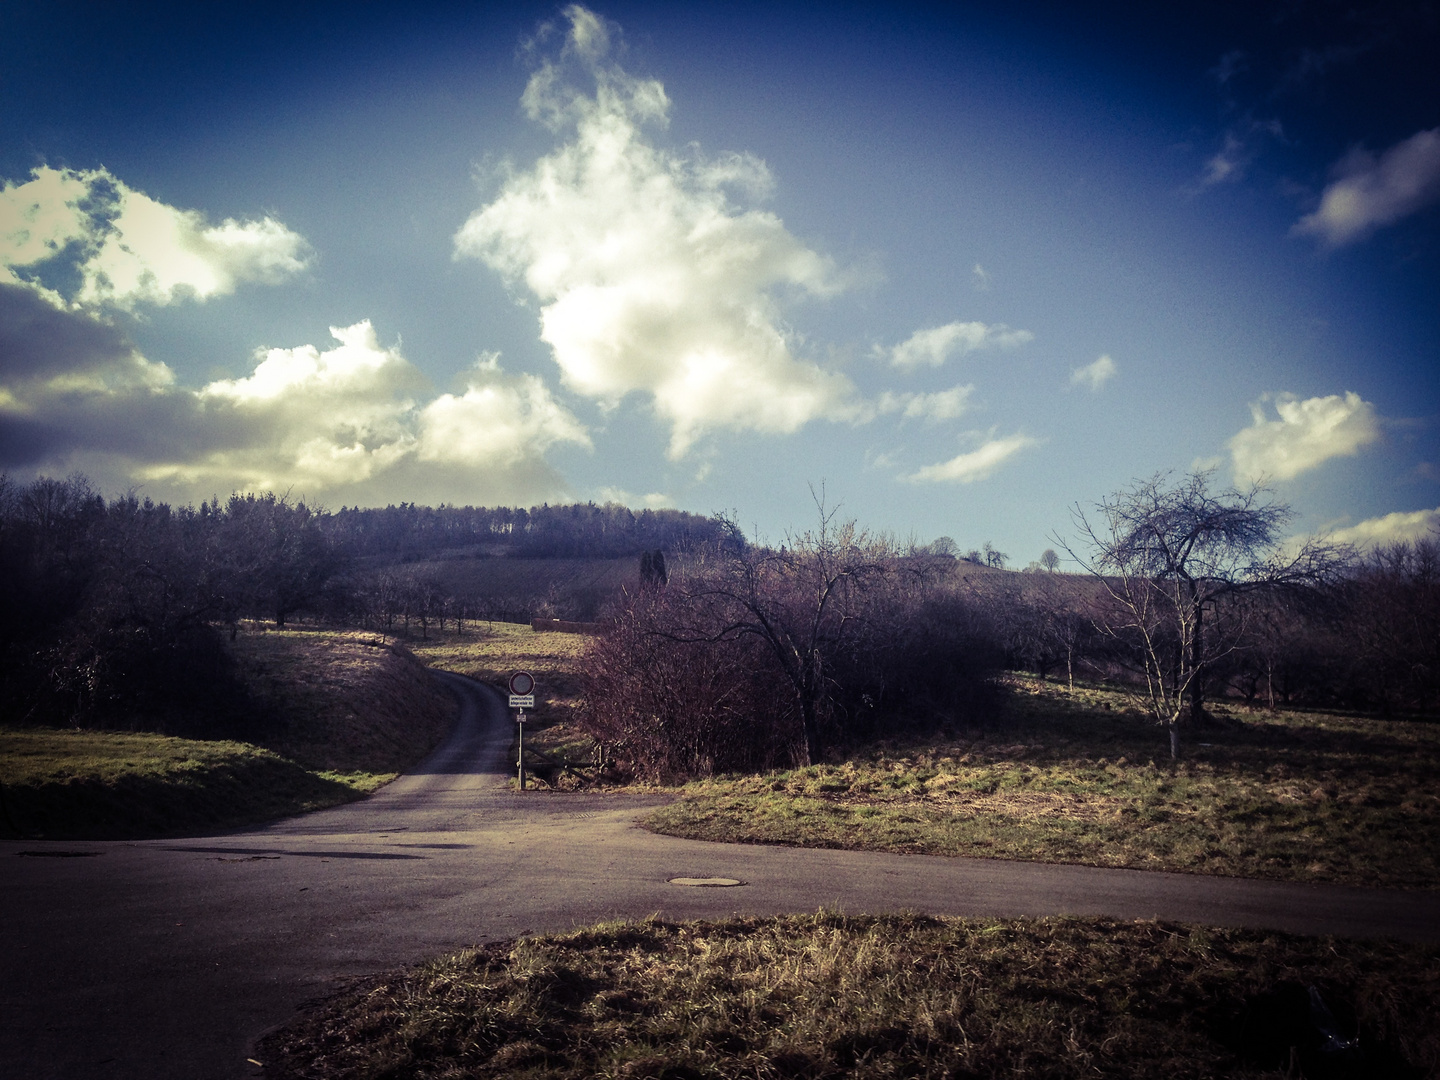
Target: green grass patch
[(1078, 778), (340, 714), (829, 995), (491, 652), (126, 785)]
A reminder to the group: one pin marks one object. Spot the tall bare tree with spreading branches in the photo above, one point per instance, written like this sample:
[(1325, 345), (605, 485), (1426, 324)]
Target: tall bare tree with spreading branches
[(1174, 560)]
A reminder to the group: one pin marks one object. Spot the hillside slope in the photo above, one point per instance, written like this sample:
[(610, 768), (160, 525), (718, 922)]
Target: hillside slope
[(337, 716)]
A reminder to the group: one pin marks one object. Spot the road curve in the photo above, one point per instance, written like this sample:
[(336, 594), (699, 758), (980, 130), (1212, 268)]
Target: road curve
[(169, 958)]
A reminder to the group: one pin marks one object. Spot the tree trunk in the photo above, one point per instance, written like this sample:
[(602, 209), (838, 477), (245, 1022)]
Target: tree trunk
[(810, 728), (1197, 681), (1174, 726)]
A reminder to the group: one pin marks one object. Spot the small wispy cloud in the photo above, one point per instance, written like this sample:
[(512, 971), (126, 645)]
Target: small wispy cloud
[(1228, 66), (981, 277), (977, 464), (1389, 529), (1243, 142), (933, 346), (1094, 375), (1304, 435), (1370, 192), (941, 405), (1227, 165), (654, 500)]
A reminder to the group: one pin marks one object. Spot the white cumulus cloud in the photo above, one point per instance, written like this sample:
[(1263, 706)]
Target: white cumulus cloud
[(500, 419), (1305, 434), (1389, 529), (1094, 375), (651, 277), (326, 418), (977, 464), (933, 346), (125, 248), (1369, 192), (356, 421)]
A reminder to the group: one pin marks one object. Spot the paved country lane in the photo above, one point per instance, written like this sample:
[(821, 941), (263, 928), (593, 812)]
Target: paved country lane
[(169, 958)]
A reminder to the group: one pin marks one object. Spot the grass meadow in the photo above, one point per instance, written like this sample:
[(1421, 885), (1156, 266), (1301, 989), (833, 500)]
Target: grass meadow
[(1081, 778)]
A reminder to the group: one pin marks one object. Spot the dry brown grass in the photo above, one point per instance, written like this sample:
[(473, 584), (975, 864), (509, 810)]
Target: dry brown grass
[(828, 995), (1077, 778)]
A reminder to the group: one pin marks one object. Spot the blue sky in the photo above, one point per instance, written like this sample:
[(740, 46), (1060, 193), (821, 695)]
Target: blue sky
[(964, 268)]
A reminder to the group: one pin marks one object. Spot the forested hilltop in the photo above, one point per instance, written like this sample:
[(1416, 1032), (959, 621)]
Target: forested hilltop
[(408, 532)]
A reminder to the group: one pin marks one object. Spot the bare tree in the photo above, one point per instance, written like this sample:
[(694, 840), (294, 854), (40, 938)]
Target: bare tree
[(665, 704), (1171, 559), (803, 600), (943, 547), (994, 556)]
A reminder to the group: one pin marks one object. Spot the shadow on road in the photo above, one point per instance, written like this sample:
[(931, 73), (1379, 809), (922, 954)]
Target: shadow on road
[(306, 854)]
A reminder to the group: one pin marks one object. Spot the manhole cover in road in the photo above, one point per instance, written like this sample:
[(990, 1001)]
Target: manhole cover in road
[(706, 882)]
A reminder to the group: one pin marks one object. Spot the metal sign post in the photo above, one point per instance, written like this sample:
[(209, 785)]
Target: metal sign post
[(521, 742), (522, 697)]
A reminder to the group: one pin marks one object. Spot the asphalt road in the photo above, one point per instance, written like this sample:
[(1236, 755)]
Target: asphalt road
[(169, 958)]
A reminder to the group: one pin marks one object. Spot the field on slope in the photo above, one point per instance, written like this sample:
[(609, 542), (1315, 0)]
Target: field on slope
[(1082, 778), (515, 587), (343, 713)]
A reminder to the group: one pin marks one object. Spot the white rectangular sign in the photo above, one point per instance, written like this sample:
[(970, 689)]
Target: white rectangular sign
[(522, 701)]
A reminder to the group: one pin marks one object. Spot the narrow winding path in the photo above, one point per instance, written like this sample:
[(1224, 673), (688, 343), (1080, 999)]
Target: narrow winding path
[(169, 958)]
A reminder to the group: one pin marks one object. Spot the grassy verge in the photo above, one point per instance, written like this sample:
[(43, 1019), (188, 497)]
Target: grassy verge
[(124, 785), (343, 713), (828, 995), (1062, 778)]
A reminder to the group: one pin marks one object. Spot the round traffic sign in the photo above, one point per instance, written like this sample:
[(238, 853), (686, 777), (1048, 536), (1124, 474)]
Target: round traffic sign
[(522, 682)]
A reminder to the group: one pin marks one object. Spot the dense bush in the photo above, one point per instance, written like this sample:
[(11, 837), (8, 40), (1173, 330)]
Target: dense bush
[(754, 657), (667, 705)]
